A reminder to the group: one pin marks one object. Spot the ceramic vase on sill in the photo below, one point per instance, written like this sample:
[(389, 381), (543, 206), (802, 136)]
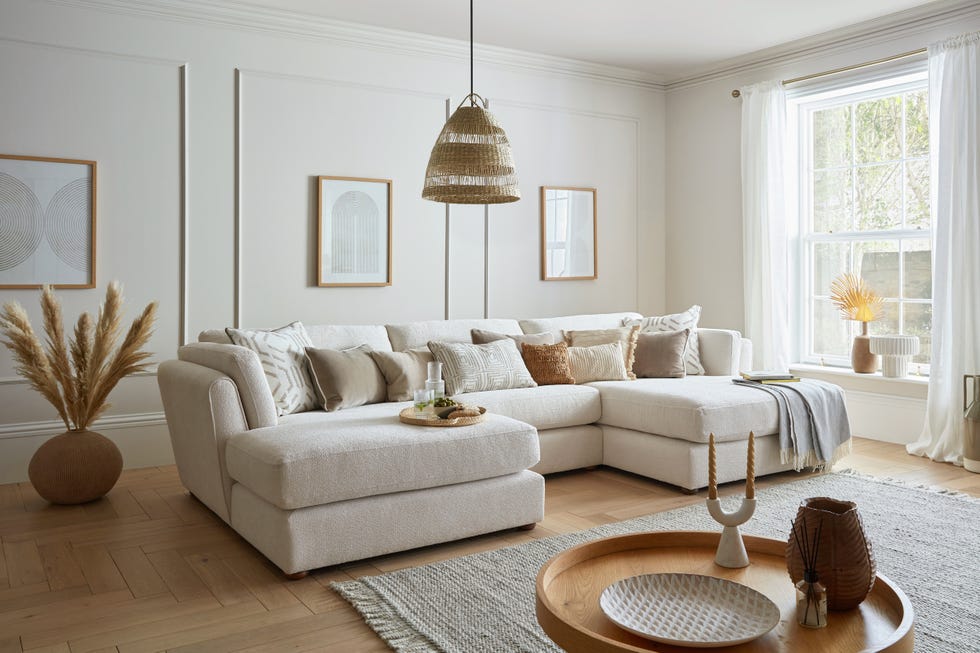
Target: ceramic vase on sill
[(862, 360)]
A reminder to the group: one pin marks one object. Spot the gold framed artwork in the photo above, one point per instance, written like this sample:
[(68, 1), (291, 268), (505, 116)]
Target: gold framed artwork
[(354, 232), (568, 234), (47, 220)]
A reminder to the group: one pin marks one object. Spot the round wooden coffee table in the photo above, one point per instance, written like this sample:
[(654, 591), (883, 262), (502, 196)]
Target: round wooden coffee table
[(569, 586)]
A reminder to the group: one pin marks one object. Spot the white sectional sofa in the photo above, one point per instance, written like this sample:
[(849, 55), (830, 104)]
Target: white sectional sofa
[(319, 488)]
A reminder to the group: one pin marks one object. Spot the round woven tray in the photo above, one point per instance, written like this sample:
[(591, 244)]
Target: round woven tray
[(408, 416)]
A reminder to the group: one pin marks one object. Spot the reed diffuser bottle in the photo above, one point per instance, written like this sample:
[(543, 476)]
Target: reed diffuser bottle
[(811, 595)]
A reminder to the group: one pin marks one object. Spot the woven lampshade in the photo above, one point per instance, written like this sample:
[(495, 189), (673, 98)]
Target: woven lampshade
[(471, 161)]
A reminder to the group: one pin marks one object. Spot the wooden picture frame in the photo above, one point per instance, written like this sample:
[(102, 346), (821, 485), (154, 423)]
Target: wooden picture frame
[(353, 232), (47, 217), (567, 236)]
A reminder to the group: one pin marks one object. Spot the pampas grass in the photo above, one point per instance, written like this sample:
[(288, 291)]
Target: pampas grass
[(855, 299), (77, 375)]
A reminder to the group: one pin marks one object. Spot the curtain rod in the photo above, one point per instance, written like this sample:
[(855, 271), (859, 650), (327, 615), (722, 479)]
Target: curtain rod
[(896, 57)]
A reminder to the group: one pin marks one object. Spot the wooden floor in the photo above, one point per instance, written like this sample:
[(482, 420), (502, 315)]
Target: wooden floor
[(148, 568)]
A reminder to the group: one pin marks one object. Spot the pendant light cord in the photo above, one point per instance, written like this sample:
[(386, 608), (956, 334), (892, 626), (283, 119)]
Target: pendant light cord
[(471, 51)]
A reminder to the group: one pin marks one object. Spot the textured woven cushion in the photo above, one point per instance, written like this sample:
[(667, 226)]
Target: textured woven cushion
[(626, 336), (548, 364), (482, 337), (346, 378), (676, 322), (473, 368), (283, 357), (661, 355), (404, 371), (597, 363)]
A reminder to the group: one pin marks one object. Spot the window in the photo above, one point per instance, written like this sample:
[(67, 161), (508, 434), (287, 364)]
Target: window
[(863, 158)]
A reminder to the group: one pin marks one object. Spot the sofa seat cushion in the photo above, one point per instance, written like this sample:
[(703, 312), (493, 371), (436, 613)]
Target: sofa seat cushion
[(544, 407), (315, 458), (688, 409)]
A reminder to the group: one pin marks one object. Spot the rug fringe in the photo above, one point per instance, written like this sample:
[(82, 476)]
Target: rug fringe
[(891, 480), (385, 621), (810, 459)]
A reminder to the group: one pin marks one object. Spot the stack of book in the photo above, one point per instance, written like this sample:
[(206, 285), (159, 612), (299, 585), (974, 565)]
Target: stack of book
[(769, 377)]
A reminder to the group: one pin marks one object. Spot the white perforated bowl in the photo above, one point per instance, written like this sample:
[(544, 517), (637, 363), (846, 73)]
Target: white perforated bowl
[(689, 609)]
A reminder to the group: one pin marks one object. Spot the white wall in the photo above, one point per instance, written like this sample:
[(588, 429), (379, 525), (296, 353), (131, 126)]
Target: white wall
[(118, 84), (704, 216)]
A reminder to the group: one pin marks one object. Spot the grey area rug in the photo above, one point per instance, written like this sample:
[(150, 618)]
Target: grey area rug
[(927, 541)]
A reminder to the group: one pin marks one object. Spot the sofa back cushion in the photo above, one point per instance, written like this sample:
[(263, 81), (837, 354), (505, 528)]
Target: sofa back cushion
[(475, 368), (558, 325), (325, 336), (413, 335), (481, 337)]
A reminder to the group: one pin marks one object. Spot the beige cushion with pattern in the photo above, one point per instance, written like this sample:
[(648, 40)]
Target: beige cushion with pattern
[(597, 363), (472, 368), (625, 336)]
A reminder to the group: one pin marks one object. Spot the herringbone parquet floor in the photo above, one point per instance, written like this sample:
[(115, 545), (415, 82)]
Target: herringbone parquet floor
[(148, 568)]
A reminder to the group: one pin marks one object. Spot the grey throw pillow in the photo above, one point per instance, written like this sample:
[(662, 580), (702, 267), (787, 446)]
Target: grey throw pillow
[(675, 322), (346, 378), (473, 368), (481, 337), (404, 371), (661, 355), (283, 359)]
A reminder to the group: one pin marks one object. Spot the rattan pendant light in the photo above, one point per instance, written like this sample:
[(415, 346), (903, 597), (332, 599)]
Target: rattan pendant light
[(471, 162)]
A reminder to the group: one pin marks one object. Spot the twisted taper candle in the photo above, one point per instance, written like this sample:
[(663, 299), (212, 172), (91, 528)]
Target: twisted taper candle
[(750, 468), (712, 472)]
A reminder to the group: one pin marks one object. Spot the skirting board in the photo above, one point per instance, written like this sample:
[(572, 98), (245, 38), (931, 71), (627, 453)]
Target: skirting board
[(885, 417), (143, 440)]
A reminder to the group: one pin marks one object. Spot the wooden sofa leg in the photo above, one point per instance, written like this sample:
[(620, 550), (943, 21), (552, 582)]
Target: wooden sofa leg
[(688, 491), (299, 575), (527, 527)]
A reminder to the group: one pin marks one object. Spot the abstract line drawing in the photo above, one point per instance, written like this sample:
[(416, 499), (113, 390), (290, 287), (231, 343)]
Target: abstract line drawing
[(354, 218), (47, 222)]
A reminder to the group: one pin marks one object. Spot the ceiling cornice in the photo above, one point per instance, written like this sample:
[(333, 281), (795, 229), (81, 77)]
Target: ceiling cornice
[(845, 39), (234, 15)]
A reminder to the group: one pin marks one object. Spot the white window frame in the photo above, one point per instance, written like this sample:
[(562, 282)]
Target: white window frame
[(801, 103)]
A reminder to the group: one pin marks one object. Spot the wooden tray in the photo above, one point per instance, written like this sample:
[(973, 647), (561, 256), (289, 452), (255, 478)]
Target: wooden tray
[(408, 416), (569, 586)]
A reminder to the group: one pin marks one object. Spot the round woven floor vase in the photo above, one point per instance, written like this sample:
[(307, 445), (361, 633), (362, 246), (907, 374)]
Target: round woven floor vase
[(75, 467), (845, 561)]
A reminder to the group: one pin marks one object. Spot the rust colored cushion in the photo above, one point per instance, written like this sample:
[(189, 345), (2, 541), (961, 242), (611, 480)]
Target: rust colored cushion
[(548, 364)]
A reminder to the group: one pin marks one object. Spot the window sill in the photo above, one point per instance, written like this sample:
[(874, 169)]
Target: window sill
[(914, 387)]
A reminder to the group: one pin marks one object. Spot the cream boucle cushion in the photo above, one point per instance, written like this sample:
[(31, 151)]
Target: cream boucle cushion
[(346, 378), (472, 368), (404, 371), (597, 363), (677, 322), (282, 354), (625, 336)]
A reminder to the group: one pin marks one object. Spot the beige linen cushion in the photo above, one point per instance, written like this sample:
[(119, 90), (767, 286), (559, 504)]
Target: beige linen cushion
[(661, 355), (548, 364), (474, 368), (675, 322), (404, 371), (482, 337), (347, 378), (625, 336), (597, 363), (281, 354)]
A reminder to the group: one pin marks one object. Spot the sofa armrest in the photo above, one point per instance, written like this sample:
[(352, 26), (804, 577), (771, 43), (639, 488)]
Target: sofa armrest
[(203, 411), (242, 366), (721, 351)]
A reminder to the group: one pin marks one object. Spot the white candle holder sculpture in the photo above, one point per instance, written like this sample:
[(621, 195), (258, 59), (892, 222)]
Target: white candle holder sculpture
[(731, 550), (896, 352)]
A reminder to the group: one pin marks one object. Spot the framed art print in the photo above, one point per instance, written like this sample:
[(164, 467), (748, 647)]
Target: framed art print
[(47, 222), (354, 219)]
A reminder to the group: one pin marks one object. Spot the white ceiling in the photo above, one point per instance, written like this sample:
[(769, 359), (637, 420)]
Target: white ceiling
[(667, 38)]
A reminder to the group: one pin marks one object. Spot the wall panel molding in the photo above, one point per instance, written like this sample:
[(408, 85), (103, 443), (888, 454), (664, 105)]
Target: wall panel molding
[(56, 426)]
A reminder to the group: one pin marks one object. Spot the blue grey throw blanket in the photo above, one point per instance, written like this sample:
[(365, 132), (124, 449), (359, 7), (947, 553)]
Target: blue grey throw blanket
[(813, 426)]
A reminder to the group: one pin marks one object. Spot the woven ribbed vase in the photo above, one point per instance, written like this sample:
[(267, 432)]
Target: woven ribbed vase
[(845, 562), (471, 162), (75, 467)]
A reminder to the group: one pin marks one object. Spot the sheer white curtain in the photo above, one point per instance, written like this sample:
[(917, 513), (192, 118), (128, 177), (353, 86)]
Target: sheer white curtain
[(764, 234), (954, 115)]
